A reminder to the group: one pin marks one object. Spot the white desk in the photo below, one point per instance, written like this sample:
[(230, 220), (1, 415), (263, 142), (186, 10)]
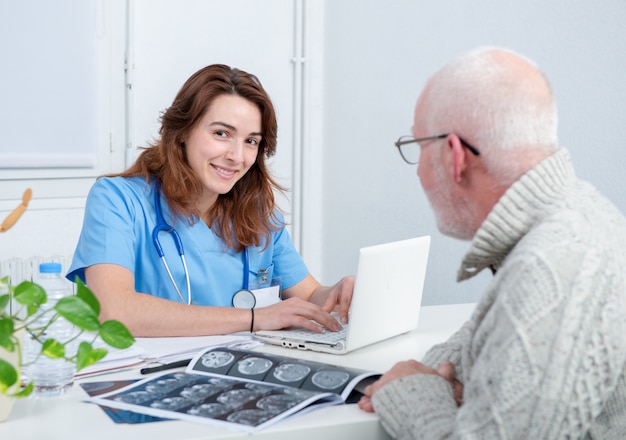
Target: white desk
[(68, 418)]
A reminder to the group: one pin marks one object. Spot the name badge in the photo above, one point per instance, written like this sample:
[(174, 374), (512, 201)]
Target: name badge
[(267, 295)]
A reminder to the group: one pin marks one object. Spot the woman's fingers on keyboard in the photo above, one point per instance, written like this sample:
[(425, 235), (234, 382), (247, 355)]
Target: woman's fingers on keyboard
[(328, 321), (300, 313)]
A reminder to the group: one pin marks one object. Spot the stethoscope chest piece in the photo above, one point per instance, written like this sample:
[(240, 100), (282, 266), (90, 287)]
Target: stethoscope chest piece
[(244, 299)]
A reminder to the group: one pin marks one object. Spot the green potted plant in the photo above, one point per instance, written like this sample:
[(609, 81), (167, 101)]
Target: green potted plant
[(82, 310), (20, 309)]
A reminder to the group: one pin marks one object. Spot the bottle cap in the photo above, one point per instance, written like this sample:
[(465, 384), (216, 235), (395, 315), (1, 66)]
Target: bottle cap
[(50, 268)]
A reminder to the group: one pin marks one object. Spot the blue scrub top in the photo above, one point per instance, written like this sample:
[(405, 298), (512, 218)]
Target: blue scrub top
[(117, 229)]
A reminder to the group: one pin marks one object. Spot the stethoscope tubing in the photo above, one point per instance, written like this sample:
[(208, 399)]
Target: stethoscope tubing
[(162, 226)]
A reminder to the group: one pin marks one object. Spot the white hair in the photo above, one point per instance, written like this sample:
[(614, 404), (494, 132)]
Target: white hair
[(499, 102)]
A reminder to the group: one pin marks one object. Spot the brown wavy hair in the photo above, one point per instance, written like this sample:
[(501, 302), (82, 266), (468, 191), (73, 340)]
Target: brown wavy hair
[(246, 215)]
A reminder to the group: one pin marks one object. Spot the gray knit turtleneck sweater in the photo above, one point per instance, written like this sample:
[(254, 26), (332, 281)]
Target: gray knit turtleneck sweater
[(543, 355)]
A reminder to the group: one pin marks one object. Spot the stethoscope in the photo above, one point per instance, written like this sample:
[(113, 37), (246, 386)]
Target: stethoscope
[(243, 298)]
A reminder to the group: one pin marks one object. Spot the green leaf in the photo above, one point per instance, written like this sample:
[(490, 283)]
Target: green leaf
[(116, 334), (84, 293), (30, 294), (7, 326), (78, 312), (32, 309), (53, 349), (25, 392), (87, 355), (4, 300), (8, 376), (6, 334)]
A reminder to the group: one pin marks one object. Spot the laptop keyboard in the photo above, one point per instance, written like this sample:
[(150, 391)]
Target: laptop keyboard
[(303, 334), (325, 337)]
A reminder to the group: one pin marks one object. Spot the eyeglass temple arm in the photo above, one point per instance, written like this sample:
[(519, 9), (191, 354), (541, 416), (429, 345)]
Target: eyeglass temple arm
[(469, 146)]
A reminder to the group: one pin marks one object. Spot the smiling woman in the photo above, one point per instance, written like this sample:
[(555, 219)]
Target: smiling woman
[(205, 182), (222, 147)]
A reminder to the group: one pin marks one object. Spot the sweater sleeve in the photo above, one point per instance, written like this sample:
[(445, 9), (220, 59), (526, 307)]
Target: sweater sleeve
[(401, 404), (452, 349), (541, 362)]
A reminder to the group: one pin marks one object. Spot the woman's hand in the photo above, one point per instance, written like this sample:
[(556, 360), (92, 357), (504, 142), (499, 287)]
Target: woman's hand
[(337, 297), (294, 312)]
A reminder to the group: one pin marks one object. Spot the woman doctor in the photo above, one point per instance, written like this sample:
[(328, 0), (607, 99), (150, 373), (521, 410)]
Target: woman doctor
[(170, 245)]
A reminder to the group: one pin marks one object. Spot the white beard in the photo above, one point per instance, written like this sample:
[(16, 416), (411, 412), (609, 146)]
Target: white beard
[(455, 215)]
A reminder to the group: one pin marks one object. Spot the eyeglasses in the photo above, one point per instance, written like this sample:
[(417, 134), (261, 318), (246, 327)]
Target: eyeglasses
[(411, 153)]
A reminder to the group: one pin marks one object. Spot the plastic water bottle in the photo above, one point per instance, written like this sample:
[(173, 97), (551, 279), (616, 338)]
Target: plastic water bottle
[(52, 377)]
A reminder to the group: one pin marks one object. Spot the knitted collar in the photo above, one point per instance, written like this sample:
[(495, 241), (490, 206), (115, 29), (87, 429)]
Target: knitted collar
[(516, 212)]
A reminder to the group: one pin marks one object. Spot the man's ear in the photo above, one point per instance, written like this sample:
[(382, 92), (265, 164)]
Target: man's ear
[(458, 155)]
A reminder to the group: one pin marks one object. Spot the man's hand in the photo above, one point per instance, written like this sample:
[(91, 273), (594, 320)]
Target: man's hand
[(408, 368), (446, 370)]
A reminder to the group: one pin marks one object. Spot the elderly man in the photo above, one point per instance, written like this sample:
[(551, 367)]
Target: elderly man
[(544, 353)]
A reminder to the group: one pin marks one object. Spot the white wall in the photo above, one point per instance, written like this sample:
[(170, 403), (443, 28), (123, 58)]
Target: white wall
[(64, 86), (164, 42), (378, 56), (199, 33), (366, 61)]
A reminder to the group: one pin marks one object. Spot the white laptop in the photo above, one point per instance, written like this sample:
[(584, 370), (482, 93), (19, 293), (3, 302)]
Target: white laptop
[(386, 300)]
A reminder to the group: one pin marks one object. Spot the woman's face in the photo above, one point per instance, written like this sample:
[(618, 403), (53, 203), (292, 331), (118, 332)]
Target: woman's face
[(223, 145)]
